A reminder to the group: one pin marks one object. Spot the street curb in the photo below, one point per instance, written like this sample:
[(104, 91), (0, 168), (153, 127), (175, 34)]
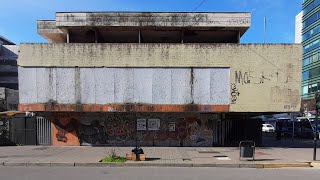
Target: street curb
[(315, 164), (141, 164), (204, 165), (61, 164), (298, 165), (42, 164), (250, 166), (82, 164), (15, 164)]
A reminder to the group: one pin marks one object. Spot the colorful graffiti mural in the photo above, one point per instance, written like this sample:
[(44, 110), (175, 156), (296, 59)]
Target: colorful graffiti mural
[(64, 130), (176, 129)]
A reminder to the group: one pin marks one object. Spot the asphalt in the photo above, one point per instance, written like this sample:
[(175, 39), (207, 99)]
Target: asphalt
[(155, 173)]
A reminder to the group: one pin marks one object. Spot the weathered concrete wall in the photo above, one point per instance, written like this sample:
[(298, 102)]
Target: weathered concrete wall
[(48, 30), (263, 78), (124, 85), (154, 19), (176, 129), (9, 99)]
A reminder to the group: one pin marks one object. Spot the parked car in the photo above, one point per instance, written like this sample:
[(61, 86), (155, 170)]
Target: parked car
[(267, 128), (301, 127)]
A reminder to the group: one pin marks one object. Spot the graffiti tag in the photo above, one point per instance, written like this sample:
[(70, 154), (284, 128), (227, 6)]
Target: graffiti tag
[(234, 93), (242, 78)]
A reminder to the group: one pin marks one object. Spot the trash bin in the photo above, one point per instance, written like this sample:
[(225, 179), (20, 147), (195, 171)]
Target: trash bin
[(247, 149)]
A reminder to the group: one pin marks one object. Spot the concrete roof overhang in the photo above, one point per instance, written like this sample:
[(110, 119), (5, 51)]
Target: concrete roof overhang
[(56, 31)]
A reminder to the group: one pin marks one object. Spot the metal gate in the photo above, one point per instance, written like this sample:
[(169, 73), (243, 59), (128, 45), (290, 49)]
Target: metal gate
[(23, 130), (43, 131)]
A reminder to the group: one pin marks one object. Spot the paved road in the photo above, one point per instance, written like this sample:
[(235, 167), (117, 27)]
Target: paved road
[(70, 173)]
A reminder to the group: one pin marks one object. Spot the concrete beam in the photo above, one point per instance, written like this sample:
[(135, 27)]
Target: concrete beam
[(57, 31), (48, 30), (155, 55), (153, 19)]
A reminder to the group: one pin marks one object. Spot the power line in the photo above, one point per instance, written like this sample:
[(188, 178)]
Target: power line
[(202, 2)]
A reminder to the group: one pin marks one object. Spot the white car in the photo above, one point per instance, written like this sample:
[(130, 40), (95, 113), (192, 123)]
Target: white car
[(267, 128)]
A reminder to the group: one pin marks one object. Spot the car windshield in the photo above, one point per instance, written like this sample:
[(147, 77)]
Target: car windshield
[(269, 125)]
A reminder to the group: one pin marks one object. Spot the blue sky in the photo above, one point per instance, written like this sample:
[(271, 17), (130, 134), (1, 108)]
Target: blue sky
[(18, 17)]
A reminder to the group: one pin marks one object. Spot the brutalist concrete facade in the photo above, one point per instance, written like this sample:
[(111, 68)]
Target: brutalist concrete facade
[(162, 79)]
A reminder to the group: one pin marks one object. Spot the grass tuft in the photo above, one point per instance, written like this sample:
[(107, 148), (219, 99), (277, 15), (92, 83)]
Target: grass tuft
[(113, 159)]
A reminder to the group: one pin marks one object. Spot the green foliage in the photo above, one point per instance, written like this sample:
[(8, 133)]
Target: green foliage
[(113, 159)]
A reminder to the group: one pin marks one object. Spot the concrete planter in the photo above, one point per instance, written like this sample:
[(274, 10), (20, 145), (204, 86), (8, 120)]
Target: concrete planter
[(134, 157)]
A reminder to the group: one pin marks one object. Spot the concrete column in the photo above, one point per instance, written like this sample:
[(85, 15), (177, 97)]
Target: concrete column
[(68, 37), (95, 36), (182, 36)]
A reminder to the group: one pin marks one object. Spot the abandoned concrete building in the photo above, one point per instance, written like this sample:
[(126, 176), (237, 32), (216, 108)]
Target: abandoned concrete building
[(161, 79)]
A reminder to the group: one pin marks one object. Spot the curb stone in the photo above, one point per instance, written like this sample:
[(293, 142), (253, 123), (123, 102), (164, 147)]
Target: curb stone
[(15, 163), (228, 165), (204, 165), (99, 164), (315, 164), (57, 164), (286, 165), (42, 164), (177, 165), (250, 166), (82, 164)]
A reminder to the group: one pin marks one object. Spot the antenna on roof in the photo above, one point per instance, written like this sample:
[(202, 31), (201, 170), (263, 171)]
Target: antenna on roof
[(200, 4), (265, 29)]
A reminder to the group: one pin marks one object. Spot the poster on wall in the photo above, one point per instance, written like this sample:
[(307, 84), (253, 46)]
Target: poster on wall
[(153, 124), (141, 124), (172, 126)]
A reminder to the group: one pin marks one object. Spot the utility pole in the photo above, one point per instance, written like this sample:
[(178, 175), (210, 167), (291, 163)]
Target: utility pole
[(315, 131)]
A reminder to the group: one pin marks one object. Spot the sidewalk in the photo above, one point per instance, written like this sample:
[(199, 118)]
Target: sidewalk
[(156, 156)]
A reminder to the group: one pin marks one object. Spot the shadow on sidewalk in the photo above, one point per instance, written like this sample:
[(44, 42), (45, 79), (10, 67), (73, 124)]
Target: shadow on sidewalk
[(152, 159), (269, 142), (266, 160)]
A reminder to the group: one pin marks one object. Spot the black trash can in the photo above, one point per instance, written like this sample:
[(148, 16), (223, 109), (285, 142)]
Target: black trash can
[(247, 150)]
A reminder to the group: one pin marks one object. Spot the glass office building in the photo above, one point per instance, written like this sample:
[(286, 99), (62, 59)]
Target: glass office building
[(311, 49)]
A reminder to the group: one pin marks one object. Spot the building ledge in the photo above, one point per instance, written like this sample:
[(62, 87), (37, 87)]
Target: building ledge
[(123, 108)]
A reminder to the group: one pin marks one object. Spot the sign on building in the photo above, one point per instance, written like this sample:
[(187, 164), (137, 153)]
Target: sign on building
[(153, 124), (172, 126), (141, 124)]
